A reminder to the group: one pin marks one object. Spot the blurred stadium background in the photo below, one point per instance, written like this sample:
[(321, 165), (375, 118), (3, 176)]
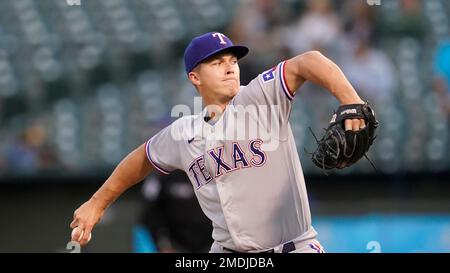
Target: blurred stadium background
[(81, 86)]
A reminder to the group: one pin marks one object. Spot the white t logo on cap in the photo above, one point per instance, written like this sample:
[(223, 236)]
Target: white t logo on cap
[(220, 35)]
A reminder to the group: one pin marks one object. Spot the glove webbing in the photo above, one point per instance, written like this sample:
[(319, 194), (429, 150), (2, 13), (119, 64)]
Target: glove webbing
[(336, 153)]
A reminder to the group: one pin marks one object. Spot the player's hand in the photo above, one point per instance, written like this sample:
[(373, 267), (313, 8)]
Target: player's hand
[(84, 219), (354, 124)]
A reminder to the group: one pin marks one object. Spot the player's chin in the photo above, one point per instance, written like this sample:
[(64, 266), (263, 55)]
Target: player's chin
[(231, 90), (230, 95)]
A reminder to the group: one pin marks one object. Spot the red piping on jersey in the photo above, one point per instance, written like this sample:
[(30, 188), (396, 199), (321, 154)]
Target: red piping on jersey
[(284, 85), (313, 246)]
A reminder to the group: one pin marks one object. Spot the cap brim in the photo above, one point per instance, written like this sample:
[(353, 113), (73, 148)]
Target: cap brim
[(239, 50)]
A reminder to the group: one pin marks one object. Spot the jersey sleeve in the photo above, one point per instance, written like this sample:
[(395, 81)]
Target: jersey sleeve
[(162, 150), (269, 88)]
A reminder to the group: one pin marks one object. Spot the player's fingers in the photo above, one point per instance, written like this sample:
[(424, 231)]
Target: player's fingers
[(348, 125), (77, 234), (87, 233), (355, 124), (362, 123), (74, 223)]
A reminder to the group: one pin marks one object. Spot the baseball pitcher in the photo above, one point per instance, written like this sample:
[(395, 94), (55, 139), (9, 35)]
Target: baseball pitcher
[(240, 153)]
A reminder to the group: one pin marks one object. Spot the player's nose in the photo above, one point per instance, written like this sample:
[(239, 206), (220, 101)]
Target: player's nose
[(230, 72), (230, 69)]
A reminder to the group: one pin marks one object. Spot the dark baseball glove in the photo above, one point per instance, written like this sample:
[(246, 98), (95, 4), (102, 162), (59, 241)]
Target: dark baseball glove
[(339, 148)]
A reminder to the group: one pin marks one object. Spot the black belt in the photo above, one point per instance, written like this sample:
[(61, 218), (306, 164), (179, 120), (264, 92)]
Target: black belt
[(287, 247)]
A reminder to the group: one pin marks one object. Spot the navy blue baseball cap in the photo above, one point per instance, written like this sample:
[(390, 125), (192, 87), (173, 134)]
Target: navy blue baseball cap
[(204, 46)]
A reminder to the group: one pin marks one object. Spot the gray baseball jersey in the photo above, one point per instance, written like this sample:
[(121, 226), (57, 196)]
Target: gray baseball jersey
[(244, 167)]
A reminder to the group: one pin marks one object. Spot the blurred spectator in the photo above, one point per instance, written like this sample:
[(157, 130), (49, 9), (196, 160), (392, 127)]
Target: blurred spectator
[(318, 28), (255, 24), (370, 70), (173, 216), (442, 75), (360, 18), (408, 22), (30, 151), (21, 157)]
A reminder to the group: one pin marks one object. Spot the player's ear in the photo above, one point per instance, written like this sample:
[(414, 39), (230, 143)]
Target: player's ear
[(194, 78)]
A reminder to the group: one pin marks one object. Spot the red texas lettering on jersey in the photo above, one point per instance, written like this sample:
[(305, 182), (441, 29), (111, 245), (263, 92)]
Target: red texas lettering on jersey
[(240, 158)]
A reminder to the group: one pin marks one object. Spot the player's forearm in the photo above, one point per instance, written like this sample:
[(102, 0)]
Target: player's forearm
[(131, 170), (315, 67)]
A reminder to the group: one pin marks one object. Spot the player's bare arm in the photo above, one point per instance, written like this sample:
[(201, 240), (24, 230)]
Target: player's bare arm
[(315, 67), (131, 170)]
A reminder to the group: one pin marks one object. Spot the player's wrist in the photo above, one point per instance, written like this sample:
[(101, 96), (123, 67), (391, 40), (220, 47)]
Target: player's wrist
[(347, 96), (100, 201), (352, 101)]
